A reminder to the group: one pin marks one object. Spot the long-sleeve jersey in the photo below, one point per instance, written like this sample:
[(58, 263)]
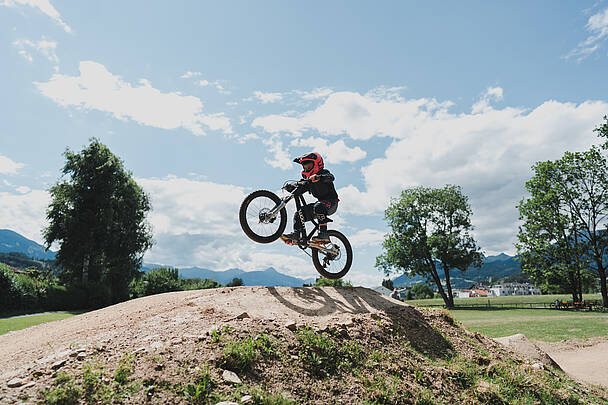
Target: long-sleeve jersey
[(323, 189)]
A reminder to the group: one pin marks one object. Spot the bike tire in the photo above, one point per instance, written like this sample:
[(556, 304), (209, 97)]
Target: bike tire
[(349, 257), (245, 225)]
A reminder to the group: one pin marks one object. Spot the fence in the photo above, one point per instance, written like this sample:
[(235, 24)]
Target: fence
[(519, 305)]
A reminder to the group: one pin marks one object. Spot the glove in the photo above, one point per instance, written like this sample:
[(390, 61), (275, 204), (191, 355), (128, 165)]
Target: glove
[(289, 187)]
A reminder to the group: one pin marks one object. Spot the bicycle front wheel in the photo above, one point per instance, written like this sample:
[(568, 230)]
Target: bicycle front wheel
[(253, 216)]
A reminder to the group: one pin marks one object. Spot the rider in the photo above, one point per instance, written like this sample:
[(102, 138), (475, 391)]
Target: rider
[(322, 188)]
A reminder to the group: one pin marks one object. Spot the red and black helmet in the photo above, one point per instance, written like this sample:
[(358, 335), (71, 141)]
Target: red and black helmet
[(317, 163)]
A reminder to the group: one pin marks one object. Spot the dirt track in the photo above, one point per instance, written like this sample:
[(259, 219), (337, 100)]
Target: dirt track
[(585, 360), (160, 318)]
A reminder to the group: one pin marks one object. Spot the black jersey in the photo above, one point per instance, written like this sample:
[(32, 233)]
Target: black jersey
[(323, 189)]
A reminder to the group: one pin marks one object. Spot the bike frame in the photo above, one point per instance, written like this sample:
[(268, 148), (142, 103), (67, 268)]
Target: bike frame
[(300, 203)]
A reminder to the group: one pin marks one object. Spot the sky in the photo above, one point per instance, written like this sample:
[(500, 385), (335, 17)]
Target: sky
[(206, 102)]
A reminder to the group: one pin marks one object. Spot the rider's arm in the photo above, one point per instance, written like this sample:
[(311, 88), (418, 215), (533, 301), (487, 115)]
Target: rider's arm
[(325, 176)]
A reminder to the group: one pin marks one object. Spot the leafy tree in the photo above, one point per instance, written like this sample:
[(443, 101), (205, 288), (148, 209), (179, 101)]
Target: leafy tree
[(430, 229), (388, 283), (326, 282), (550, 248), (235, 282), (602, 132), (421, 292), (98, 217)]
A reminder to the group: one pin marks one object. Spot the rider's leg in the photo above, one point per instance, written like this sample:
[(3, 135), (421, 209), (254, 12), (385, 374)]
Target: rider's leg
[(298, 226), (321, 210)]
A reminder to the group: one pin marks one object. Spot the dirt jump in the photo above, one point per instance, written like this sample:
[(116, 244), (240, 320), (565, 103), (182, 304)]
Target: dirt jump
[(262, 344)]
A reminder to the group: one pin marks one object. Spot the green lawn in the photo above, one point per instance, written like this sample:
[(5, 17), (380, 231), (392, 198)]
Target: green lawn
[(510, 299), (547, 325), (10, 324)]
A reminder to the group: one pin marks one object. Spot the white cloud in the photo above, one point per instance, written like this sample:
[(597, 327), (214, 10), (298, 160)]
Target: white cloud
[(203, 83), (43, 5), (44, 46), (8, 166), (266, 98), (488, 152), (597, 27), (336, 152), (98, 89), (360, 117), (24, 213), (366, 237), (189, 75), (315, 94), (281, 158), (491, 94), (194, 225)]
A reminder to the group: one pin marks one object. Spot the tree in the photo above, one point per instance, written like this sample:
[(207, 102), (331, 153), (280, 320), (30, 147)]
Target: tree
[(98, 216), (550, 248), (326, 282), (388, 283), (430, 228), (235, 282), (421, 292)]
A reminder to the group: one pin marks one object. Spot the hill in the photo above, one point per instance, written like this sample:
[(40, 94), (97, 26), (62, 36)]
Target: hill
[(494, 267), (269, 277), (272, 345), (11, 241)]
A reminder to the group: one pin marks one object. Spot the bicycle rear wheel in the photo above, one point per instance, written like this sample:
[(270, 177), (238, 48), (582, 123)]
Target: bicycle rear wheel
[(254, 220), (334, 266)]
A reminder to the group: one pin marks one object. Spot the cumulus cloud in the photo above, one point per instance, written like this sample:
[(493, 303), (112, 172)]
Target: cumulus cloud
[(24, 212), (189, 75), (98, 89), (315, 94), (597, 27), (9, 166), (336, 152), (488, 152), (44, 46), (195, 224), (266, 98), (43, 5), (366, 237), (280, 154)]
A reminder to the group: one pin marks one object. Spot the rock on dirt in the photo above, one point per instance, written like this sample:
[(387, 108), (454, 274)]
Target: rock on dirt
[(231, 377), (523, 346), (16, 382)]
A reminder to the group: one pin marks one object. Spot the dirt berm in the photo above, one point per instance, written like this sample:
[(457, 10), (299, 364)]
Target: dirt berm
[(269, 345)]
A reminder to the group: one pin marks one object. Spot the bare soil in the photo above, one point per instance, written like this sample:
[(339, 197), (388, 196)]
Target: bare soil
[(408, 355)]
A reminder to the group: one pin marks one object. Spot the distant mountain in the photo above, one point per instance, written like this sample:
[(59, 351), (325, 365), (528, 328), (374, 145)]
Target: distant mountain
[(495, 267), (11, 241), (268, 277)]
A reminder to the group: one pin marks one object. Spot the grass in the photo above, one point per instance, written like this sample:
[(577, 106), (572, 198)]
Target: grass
[(11, 324), (547, 325), (509, 299)]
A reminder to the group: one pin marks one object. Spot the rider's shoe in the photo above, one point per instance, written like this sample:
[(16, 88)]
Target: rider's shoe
[(292, 238), (322, 237)]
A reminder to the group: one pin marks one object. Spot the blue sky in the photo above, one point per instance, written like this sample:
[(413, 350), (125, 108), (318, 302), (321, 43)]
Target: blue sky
[(207, 101)]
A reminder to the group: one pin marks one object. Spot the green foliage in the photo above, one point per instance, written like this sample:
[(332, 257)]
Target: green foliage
[(64, 392), (236, 282), (421, 291), (602, 132), (200, 391), (322, 354), (93, 385), (388, 283), (562, 237), (326, 282), (166, 279), (125, 369), (430, 226), (97, 215), (199, 284), (240, 355), (9, 294)]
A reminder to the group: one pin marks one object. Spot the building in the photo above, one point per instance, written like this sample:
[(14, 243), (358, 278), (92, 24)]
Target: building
[(499, 290)]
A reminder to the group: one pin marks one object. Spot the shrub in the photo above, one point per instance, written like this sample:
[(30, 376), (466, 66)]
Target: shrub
[(9, 295)]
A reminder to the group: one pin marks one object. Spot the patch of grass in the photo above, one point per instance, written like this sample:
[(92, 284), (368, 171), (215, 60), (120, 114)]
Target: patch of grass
[(261, 397), (539, 324), (322, 354), (200, 391), (240, 355), (64, 392), (11, 324), (93, 384), (509, 299)]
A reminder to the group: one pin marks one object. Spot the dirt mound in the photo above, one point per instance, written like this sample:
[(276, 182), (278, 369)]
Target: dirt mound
[(522, 345), (270, 345)]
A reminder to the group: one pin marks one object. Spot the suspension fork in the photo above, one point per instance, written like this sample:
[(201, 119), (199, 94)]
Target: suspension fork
[(274, 212)]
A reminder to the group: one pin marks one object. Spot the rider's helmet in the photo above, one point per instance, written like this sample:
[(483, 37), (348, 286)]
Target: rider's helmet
[(315, 159)]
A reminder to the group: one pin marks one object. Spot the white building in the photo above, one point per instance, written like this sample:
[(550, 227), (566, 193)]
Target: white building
[(514, 289)]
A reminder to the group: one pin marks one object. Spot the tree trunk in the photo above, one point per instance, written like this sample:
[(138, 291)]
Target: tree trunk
[(602, 271), (448, 285), (572, 284), (85, 270), (437, 280)]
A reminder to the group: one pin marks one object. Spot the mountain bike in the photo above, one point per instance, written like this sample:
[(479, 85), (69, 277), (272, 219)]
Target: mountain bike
[(263, 217)]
